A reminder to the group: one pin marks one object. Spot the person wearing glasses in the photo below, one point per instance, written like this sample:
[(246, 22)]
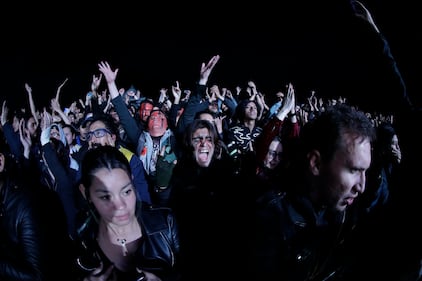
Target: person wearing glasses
[(103, 131), (274, 146), (204, 196), (124, 239)]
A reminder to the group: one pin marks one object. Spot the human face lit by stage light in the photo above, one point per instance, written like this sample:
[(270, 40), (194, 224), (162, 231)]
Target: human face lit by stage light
[(203, 146), (157, 123)]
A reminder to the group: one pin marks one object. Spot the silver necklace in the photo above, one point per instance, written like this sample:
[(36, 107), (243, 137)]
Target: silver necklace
[(122, 243)]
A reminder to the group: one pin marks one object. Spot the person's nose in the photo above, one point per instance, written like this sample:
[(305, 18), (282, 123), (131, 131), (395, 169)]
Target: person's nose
[(119, 203), (360, 186)]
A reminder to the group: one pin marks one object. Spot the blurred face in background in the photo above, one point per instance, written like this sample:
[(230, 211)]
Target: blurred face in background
[(273, 157), (157, 123), (99, 135), (69, 135), (251, 111), (32, 126), (145, 110), (54, 132)]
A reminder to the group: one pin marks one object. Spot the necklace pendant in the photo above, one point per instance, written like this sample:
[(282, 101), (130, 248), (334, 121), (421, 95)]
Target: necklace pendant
[(123, 244)]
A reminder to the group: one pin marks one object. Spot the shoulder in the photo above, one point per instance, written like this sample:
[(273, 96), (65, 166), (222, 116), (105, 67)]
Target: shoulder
[(126, 152), (155, 218)]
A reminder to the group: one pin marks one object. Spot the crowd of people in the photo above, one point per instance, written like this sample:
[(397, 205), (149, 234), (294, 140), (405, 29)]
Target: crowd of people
[(209, 183)]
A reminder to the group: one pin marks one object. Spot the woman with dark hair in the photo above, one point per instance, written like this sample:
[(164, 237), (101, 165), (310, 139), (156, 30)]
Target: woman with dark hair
[(121, 238), (246, 127)]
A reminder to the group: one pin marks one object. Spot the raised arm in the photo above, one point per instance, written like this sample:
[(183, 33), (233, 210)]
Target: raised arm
[(401, 101), (31, 103), (194, 104), (362, 12), (128, 122), (110, 77), (60, 88), (55, 106), (206, 69)]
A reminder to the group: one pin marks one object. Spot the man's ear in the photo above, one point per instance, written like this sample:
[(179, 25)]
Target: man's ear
[(82, 190), (314, 162), (113, 139), (2, 162)]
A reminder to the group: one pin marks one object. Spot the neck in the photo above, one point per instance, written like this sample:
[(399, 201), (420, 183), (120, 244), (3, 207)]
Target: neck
[(116, 233)]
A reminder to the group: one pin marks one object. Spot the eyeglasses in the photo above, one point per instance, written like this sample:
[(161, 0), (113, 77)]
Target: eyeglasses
[(197, 140), (98, 133)]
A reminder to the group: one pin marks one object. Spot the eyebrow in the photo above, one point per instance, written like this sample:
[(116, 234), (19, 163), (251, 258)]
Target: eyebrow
[(103, 190)]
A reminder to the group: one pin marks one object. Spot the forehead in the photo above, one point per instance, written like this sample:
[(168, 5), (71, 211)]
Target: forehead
[(146, 106), (96, 125), (275, 145), (206, 116), (356, 152), (201, 132), (157, 114), (112, 180)]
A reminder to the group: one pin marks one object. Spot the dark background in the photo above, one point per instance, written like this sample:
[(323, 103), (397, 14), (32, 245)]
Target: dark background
[(314, 45)]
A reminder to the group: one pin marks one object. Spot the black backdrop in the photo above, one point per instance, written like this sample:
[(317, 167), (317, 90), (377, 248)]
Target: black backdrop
[(314, 45)]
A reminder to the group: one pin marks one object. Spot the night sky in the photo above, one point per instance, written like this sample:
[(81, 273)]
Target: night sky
[(313, 45)]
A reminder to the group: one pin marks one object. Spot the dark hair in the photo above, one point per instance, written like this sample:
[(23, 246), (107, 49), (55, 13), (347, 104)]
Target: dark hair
[(203, 124), (85, 122), (385, 133), (102, 157), (206, 111), (324, 133), (62, 151), (239, 114), (55, 126), (72, 129)]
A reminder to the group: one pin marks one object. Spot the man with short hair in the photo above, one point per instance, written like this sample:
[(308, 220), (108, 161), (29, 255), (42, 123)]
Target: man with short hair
[(299, 233)]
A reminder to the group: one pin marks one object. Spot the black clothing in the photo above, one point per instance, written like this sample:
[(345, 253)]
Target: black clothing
[(295, 242), (207, 202), (158, 252), (34, 243)]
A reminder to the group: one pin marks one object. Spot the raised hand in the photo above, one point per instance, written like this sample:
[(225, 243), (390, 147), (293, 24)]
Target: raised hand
[(362, 12), (60, 88), (96, 81), (110, 77), (206, 69), (109, 74), (4, 112)]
